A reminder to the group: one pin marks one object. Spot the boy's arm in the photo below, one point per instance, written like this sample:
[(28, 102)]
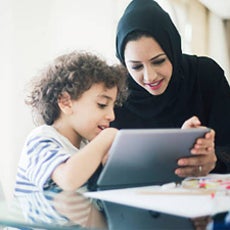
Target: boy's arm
[(73, 173)]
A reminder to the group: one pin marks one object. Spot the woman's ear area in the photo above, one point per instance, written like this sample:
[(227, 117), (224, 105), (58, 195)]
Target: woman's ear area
[(65, 103)]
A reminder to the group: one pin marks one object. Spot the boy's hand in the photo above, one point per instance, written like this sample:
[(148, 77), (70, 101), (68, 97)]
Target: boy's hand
[(105, 158)]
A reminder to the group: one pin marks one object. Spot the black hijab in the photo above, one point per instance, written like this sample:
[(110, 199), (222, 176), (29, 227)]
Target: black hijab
[(147, 16)]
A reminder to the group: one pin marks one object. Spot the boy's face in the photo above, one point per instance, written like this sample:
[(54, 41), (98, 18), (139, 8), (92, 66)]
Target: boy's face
[(93, 111)]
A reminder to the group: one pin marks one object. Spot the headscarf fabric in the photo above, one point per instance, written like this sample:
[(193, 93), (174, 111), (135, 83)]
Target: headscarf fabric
[(149, 17)]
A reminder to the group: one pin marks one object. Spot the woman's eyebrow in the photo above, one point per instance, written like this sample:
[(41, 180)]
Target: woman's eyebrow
[(159, 55)]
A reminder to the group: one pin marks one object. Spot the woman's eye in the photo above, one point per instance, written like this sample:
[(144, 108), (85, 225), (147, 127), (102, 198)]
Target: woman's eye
[(136, 67), (158, 62)]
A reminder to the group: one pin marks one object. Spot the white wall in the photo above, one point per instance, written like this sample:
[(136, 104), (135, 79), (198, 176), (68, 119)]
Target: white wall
[(218, 43), (6, 92), (32, 34)]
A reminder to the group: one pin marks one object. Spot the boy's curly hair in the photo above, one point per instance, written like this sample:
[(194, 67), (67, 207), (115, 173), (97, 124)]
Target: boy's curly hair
[(73, 73)]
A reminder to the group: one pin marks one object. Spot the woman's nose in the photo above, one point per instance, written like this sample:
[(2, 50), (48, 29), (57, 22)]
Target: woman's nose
[(149, 74)]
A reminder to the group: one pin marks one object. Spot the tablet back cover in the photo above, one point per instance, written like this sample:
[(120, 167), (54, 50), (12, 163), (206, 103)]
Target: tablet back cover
[(140, 157)]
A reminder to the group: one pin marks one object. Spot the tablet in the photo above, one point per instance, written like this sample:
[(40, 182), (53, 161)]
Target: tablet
[(141, 157)]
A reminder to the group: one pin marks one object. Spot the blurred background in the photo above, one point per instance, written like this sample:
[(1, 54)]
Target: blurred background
[(34, 32)]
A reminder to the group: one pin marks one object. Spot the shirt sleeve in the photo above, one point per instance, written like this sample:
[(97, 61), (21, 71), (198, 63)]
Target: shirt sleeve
[(40, 157)]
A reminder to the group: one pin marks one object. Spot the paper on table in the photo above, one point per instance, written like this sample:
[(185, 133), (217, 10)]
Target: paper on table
[(176, 201)]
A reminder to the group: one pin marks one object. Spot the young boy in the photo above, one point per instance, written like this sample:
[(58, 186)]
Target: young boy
[(73, 101)]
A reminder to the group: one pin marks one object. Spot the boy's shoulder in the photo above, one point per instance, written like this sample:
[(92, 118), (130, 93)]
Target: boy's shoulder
[(43, 130), (45, 133)]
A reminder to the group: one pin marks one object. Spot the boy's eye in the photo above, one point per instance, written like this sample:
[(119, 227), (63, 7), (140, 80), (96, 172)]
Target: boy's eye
[(101, 105)]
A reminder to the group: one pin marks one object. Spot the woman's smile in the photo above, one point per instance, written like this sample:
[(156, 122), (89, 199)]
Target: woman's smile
[(156, 85)]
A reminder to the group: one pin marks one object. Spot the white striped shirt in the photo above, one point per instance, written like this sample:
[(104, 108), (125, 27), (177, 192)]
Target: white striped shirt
[(45, 148)]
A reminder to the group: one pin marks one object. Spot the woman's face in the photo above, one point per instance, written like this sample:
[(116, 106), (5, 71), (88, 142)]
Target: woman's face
[(148, 64)]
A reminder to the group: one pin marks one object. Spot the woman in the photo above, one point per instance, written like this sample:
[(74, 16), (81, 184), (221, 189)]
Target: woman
[(167, 87)]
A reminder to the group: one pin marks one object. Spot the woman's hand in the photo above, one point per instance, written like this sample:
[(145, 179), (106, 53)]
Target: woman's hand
[(203, 158), (192, 122)]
